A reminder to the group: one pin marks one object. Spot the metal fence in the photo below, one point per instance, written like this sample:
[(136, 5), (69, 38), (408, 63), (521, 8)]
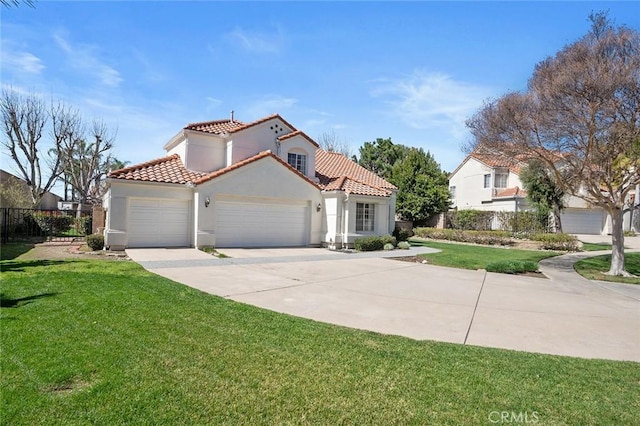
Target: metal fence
[(32, 225)]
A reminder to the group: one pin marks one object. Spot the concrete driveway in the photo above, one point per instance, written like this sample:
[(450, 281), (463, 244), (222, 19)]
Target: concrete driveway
[(563, 315)]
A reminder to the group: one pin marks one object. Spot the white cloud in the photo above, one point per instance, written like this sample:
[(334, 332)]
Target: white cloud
[(256, 42), (22, 61), (85, 58), (432, 100)]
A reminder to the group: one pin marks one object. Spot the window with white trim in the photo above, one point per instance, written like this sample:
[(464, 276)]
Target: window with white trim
[(501, 179), (298, 162), (452, 192), (487, 180), (365, 217)]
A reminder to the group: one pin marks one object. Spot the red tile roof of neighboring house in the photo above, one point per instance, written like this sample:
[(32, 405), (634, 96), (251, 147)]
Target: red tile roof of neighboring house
[(164, 170), (263, 154), (337, 172), (231, 126), (499, 161), (511, 193)]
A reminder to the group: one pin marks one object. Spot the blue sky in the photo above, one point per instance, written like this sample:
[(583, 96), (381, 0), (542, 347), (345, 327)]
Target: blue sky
[(412, 71)]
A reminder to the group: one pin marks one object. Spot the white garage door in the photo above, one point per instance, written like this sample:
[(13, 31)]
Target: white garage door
[(582, 221), (158, 223), (249, 223)]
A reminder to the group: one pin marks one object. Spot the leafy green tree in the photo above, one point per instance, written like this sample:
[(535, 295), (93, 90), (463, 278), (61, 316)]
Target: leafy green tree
[(381, 155), (422, 186), (542, 190)]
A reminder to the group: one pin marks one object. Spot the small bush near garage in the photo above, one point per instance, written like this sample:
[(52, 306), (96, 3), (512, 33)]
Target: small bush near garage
[(512, 266), (95, 242), (388, 247), (404, 245), (560, 242)]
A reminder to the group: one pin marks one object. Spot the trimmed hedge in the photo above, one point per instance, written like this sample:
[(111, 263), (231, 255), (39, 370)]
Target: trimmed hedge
[(559, 242), (374, 243), (512, 266), (492, 238)]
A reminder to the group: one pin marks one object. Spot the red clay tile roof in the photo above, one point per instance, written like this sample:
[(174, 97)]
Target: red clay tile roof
[(296, 133), (499, 161), (227, 126), (511, 193), (165, 170), (218, 126), (337, 172), (263, 154)]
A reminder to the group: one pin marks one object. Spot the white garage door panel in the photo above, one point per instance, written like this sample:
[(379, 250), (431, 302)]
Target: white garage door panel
[(581, 221), (252, 224), (158, 223)]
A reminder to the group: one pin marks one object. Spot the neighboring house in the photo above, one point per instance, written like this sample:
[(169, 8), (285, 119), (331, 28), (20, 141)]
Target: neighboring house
[(492, 182), (20, 190), (225, 183)]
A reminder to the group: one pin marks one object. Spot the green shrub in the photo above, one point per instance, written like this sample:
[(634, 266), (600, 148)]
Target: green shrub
[(95, 242), (388, 239), (388, 247), (372, 243), (561, 242), (52, 222), (401, 234), (512, 266), (83, 225), (469, 219), (404, 245), (523, 224)]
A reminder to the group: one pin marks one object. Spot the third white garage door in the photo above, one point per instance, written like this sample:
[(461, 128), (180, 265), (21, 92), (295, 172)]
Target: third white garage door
[(582, 221), (251, 223)]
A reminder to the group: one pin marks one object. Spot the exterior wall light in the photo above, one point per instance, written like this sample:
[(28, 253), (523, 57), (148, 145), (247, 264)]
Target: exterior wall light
[(207, 201), (319, 207)]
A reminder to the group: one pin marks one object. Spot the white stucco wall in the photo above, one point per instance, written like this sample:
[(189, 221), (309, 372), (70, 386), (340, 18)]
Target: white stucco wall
[(261, 137), (205, 153), (265, 179), (470, 190)]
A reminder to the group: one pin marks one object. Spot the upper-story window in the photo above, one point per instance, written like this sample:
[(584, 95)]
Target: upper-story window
[(487, 180), (501, 179), (298, 162), (452, 192)]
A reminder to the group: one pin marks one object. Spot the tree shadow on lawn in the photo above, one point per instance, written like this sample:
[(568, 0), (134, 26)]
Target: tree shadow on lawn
[(20, 266), (12, 250), (7, 302)]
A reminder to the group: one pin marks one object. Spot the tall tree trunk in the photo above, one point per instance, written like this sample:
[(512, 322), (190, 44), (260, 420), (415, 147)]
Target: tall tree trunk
[(617, 243), (556, 219)]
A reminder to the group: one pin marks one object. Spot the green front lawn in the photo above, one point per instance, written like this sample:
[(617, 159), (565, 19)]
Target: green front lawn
[(95, 342), (594, 268), (468, 256)]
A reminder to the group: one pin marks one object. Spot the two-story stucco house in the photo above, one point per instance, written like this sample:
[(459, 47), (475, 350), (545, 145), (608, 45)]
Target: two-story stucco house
[(491, 181), (226, 183)]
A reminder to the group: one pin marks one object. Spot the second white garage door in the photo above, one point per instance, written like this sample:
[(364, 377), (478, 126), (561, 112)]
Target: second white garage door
[(250, 223)]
